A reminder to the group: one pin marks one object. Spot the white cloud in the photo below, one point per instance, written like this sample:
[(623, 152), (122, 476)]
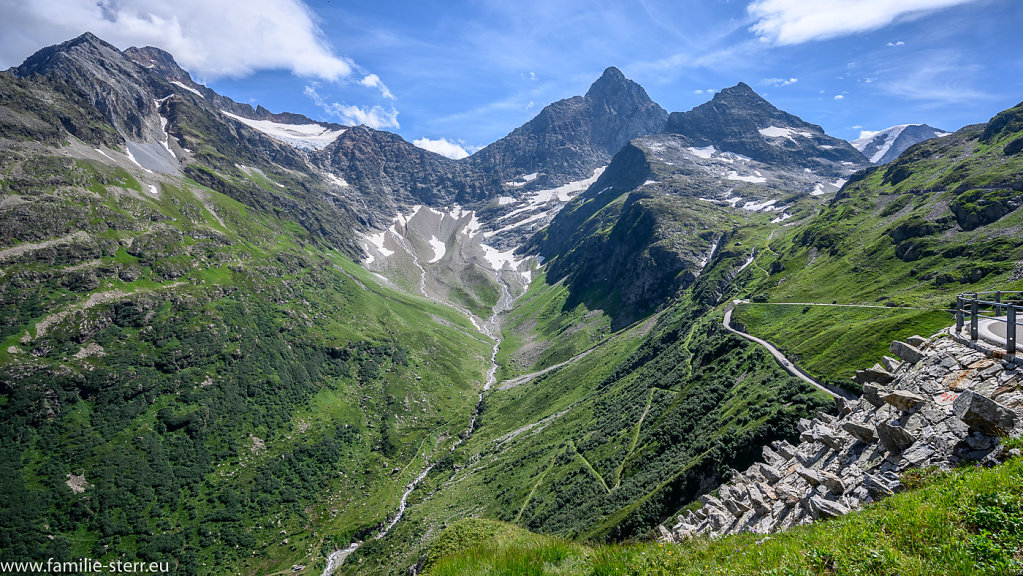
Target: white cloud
[(797, 21), (899, 43), (211, 38), (778, 82), (698, 91), (373, 81), (867, 133), (442, 146), (839, 97), (376, 117)]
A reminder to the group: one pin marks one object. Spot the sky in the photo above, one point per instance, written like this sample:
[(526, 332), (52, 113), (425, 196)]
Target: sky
[(453, 76)]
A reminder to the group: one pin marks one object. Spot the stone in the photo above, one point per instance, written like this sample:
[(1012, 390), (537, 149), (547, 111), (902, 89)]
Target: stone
[(812, 476), (984, 414), (891, 364), (833, 483), (875, 374), (916, 340), (786, 450), (772, 457), (664, 532), (821, 508), (881, 485), (903, 399), (828, 437), (917, 455), (907, 352), (893, 437), (872, 393), (770, 473), (860, 432)]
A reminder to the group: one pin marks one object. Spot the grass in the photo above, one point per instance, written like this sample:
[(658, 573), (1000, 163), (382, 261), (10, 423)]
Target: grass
[(831, 343), (966, 521)]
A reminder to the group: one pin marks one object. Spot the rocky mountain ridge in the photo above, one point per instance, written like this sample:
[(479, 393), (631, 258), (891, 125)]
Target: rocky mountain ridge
[(886, 145)]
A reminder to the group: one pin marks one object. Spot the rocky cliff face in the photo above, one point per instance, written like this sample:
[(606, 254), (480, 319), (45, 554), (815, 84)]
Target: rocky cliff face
[(571, 137), (939, 404)]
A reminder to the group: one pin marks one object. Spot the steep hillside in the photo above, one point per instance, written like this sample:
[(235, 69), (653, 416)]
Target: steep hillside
[(943, 218)]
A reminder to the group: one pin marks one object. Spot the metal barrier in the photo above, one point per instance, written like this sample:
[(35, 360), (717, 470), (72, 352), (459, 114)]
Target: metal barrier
[(971, 304)]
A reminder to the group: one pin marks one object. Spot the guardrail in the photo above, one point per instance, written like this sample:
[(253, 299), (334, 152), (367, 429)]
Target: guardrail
[(971, 304)]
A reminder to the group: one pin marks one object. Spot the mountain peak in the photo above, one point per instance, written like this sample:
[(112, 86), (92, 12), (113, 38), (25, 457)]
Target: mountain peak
[(611, 82), (88, 45)]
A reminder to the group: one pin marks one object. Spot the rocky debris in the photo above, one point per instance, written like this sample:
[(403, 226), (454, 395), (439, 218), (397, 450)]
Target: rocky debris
[(891, 364), (984, 414), (77, 483), (875, 374), (903, 399), (947, 406), (906, 352)]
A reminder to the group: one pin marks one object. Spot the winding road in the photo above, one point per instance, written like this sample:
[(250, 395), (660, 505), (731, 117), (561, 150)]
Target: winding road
[(783, 361)]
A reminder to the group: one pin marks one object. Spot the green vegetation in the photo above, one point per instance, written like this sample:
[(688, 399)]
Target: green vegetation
[(832, 342), (967, 521)]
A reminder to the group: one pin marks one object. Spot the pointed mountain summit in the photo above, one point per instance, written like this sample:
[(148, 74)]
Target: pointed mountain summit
[(570, 138), (884, 146), (739, 120)]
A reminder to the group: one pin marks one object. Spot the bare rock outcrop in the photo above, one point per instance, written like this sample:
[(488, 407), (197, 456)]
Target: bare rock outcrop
[(942, 405)]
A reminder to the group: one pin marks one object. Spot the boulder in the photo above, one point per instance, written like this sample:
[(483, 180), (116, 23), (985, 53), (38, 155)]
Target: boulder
[(893, 437), (872, 393), (903, 399), (833, 483), (812, 476), (881, 485), (906, 352), (860, 432), (891, 364), (821, 508), (984, 414), (875, 374), (916, 340)]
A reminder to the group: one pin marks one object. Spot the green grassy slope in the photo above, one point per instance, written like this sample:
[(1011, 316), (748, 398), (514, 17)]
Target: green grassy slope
[(968, 521), (234, 396)]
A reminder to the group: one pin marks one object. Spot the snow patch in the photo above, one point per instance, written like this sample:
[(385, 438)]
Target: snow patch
[(758, 206), (184, 86), (377, 240), (338, 181), (439, 249), (818, 189), (776, 132), (303, 136), (781, 218), (733, 175), (649, 182), (105, 154), (706, 152), (839, 183), (127, 152), (153, 190), (505, 200)]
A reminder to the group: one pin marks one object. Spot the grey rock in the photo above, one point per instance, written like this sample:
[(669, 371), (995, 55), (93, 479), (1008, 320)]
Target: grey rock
[(893, 437), (903, 399), (872, 393), (875, 374), (812, 476), (769, 473), (881, 485), (916, 340), (860, 432), (821, 508), (906, 352), (917, 454), (833, 483), (891, 364), (984, 414)]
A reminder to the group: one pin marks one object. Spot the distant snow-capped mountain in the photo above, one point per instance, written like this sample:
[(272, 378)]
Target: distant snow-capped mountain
[(884, 146)]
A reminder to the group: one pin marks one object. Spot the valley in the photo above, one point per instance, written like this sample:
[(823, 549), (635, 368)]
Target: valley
[(257, 343)]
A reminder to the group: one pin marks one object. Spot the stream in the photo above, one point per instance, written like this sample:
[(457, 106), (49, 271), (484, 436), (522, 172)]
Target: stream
[(492, 329)]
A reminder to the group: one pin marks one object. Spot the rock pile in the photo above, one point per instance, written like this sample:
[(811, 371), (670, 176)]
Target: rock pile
[(938, 404)]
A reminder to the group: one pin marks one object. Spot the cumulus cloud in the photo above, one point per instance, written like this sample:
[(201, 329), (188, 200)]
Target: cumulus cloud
[(778, 82), (211, 38), (867, 133), (797, 21), (839, 97), (373, 81), (376, 117), (442, 146)]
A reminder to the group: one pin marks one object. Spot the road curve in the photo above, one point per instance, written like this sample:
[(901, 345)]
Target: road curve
[(784, 362)]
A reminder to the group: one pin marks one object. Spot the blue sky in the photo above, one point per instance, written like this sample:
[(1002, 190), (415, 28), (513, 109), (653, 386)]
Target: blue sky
[(466, 73)]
